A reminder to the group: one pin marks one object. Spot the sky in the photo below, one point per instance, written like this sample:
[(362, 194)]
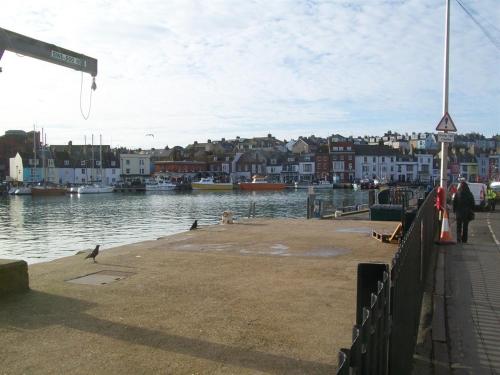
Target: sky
[(186, 70)]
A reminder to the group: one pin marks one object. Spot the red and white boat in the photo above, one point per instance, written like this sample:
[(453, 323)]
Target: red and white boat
[(261, 183)]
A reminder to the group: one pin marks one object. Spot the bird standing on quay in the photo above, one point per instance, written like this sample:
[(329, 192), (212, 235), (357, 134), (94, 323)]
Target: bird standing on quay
[(93, 254), (194, 225)]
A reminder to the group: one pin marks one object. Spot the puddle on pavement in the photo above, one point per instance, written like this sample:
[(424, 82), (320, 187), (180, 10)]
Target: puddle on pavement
[(101, 277), (355, 230), (273, 250)]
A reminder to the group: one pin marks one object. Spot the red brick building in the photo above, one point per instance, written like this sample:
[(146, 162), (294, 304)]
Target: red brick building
[(180, 167), (343, 167)]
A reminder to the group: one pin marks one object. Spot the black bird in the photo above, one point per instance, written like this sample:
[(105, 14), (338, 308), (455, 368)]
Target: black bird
[(194, 226), (93, 254)]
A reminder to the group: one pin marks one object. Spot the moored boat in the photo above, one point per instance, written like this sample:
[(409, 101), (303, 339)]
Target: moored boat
[(316, 185), (208, 183), (95, 189), (23, 190), (261, 183), (160, 185), (47, 190)]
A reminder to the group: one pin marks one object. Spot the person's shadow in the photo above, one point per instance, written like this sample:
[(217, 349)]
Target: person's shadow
[(38, 310)]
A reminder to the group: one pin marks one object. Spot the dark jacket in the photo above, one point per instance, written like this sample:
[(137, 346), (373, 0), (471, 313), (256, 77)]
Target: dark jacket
[(463, 204)]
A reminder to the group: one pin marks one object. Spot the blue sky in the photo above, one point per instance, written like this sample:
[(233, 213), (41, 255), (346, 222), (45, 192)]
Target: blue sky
[(197, 70)]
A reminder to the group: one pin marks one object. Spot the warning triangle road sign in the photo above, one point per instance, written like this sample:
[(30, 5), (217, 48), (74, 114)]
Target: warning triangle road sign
[(446, 124)]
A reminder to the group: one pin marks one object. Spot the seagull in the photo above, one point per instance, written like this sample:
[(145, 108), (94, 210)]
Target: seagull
[(93, 254), (194, 226)]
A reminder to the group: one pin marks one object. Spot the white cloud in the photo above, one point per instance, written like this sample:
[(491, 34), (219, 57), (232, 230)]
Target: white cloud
[(190, 70)]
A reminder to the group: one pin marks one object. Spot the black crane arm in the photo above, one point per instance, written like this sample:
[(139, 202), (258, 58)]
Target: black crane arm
[(14, 42)]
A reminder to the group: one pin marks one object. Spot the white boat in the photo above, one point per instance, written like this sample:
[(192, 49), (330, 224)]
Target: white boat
[(207, 183), (95, 189), (160, 185), (23, 190), (12, 190), (320, 185)]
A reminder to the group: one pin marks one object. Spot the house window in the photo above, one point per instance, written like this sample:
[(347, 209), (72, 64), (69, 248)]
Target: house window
[(141, 161), (374, 159), (392, 159), (82, 163), (83, 170), (383, 159), (113, 163), (350, 165), (51, 163), (349, 157), (341, 157), (307, 158), (307, 168), (141, 171), (365, 159), (127, 162), (348, 148), (127, 171), (113, 171), (66, 163), (273, 161), (98, 163), (341, 148)]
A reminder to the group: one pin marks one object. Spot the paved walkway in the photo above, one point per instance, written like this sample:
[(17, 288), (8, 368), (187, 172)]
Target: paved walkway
[(472, 301)]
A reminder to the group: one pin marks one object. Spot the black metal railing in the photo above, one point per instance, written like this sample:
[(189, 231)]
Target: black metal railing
[(389, 303)]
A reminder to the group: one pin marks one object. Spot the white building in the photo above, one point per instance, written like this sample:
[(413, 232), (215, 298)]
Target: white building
[(374, 161), (135, 165)]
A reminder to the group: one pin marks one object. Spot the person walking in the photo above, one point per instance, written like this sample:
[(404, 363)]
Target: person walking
[(463, 205)]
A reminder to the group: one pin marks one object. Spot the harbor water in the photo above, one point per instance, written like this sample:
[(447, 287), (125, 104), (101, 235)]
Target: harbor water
[(38, 229)]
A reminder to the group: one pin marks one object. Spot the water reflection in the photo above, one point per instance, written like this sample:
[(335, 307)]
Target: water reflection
[(43, 228)]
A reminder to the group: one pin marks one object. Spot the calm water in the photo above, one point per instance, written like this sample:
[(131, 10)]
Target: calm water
[(44, 228)]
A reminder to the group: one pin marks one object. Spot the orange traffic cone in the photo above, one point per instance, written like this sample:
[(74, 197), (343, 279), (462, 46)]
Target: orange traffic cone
[(445, 237)]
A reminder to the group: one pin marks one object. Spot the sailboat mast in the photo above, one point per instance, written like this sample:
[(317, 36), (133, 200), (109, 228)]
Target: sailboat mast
[(33, 175), (100, 157), (92, 166)]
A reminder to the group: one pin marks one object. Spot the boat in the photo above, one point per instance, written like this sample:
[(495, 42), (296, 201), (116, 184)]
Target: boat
[(160, 185), (47, 190), (323, 184), (23, 190), (261, 183), (95, 189), (208, 183)]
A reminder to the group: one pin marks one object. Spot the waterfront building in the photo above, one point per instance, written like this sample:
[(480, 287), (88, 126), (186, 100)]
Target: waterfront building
[(343, 161), (134, 166), (181, 168), (323, 164), (13, 142), (424, 167), (290, 169), (406, 168), (375, 162), (274, 166), (306, 167)]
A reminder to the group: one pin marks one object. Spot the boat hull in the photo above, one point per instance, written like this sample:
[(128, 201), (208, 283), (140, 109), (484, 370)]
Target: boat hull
[(47, 191), (95, 189), (261, 186), (214, 186)]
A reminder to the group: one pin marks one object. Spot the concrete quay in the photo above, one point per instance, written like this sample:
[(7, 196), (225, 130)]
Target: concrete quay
[(255, 297)]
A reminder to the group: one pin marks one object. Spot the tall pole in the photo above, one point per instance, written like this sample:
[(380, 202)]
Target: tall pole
[(444, 145)]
